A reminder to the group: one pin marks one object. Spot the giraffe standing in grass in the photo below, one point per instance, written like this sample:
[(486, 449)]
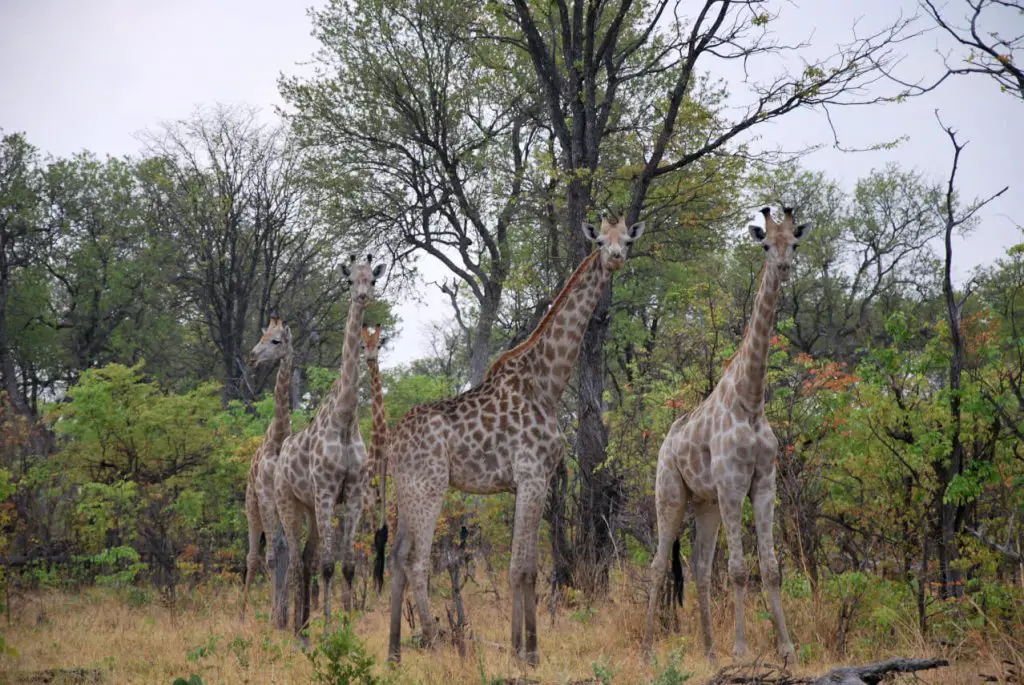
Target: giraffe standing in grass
[(324, 465), (274, 346), (502, 436), (725, 450)]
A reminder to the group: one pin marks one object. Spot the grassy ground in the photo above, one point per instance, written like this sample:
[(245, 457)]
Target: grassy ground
[(127, 639)]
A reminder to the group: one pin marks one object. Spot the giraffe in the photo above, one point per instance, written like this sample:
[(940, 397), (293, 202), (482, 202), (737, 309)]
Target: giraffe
[(324, 464), (502, 436), (376, 462), (724, 450), (274, 346)]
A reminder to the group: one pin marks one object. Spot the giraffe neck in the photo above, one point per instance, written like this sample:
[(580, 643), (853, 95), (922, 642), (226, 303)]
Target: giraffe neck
[(281, 426), (752, 359), (552, 348), (380, 421), (341, 408), (379, 439)]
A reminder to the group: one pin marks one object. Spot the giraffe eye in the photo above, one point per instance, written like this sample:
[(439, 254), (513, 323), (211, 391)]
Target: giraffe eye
[(276, 342), (795, 245), (766, 247)]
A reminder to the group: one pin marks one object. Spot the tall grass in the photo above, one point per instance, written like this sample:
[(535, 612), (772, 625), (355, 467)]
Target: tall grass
[(131, 639)]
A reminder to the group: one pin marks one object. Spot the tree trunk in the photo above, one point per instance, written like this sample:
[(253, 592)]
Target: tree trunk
[(7, 373), (599, 487), (480, 350)]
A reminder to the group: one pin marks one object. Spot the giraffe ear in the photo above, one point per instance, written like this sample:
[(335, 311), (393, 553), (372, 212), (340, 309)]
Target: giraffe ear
[(756, 232), (637, 230), (287, 333), (378, 271), (590, 230), (803, 229)]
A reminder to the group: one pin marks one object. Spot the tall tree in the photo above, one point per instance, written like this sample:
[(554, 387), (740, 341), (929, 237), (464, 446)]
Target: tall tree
[(106, 291), (227, 192), (19, 234), (426, 146), (595, 62), (951, 511)]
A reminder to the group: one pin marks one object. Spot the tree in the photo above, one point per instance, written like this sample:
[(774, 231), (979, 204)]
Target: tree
[(227, 196), (594, 63), (871, 258), (107, 297), (424, 144), (154, 467), (952, 510), (989, 51), (19, 232)]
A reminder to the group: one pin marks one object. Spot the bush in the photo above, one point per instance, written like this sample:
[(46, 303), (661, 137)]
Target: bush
[(340, 659)]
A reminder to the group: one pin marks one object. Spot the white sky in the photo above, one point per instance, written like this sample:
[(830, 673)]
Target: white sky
[(91, 74)]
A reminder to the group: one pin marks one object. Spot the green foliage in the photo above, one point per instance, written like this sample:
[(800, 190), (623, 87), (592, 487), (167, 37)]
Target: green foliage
[(340, 658), (603, 673), (194, 679), (669, 674), (115, 566)]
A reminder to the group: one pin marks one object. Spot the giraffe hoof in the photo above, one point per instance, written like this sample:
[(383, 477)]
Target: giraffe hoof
[(787, 654)]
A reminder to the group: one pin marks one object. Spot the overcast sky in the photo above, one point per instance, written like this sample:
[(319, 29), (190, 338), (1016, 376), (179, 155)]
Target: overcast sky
[(91, 74)]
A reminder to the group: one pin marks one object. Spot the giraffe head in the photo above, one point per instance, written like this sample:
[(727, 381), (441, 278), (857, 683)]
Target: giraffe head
[(275, 342), (780, 239), (362, 277), (371, 343), (614, 239)]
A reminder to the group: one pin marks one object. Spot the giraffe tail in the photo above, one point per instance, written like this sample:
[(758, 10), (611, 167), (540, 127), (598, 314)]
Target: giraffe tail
[(380, 539), (677, 574)]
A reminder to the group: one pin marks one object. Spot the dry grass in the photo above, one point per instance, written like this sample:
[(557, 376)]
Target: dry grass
[(156, 644)]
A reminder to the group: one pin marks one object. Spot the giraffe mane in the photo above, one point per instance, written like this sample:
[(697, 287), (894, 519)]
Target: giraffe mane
[(555, 307)]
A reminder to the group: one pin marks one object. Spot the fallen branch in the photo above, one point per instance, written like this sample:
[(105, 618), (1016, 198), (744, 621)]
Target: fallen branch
[(757, 674), (874, 673)]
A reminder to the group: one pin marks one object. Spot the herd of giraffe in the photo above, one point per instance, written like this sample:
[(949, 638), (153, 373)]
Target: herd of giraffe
[(503, 436)]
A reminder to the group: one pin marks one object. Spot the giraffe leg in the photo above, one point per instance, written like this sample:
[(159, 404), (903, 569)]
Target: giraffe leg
[(353, 502), (325, 498), (762, 496), (291, 518), (422, 533), (670, 504), (731, 507), (310, 554), (523, 569), (266, 506), (708, 521), (399, 573), (252, 559)]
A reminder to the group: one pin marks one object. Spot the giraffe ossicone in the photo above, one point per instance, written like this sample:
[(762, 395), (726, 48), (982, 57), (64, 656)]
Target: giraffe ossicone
[(501, 436), (724, 449)]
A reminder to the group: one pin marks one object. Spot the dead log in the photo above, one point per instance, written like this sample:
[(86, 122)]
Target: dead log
[(874, 673), (760, 674)]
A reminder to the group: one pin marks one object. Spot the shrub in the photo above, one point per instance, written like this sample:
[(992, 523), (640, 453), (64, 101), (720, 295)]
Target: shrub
[(340, 658)]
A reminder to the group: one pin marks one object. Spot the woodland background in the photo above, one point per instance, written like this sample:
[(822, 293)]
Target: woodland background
[(477, 137)]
